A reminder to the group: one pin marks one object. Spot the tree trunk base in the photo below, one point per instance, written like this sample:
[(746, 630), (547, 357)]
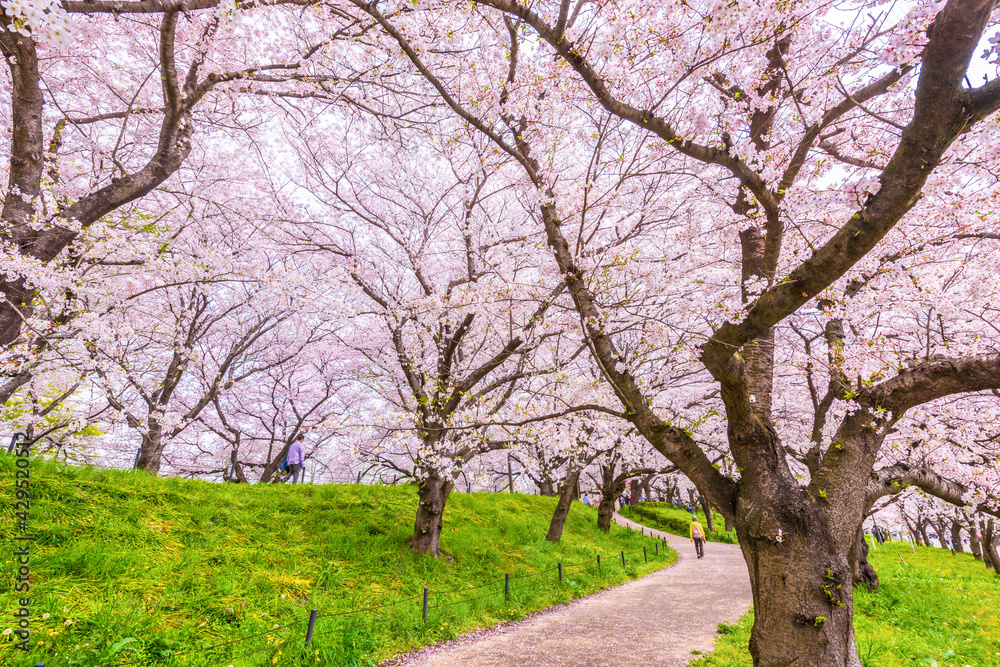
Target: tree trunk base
[(433, 493), (562, 508)]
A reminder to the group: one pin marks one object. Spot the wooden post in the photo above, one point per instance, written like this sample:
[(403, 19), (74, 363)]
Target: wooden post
[(309, 630)]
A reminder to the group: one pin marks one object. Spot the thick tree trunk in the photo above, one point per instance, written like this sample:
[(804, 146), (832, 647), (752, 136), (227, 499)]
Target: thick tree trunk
[(987, 557), (634, 492), (24, 175), (647, 488), (861, 570), (707, 509), (610, 492), (605, 512), (990, 547), (922, 527), (151, 453), (974, 545), (433, 493), (802, 595), (803, 603), (956, 536), (562, 507), (941, 531), (546, 488)]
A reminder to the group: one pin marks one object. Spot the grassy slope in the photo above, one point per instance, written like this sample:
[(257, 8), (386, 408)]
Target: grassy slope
[(938, 609), (178, 564), (670, 519)]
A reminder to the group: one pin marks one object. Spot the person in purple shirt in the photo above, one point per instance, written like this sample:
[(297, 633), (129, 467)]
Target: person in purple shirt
[(296, 456)]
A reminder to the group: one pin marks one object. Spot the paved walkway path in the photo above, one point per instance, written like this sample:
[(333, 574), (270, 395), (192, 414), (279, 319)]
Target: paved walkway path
[(656, 620)]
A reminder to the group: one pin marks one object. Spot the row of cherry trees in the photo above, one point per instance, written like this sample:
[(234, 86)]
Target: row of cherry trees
[(758, 239)]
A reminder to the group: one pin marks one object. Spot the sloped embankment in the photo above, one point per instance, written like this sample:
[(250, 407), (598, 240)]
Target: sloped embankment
[(127, 568)]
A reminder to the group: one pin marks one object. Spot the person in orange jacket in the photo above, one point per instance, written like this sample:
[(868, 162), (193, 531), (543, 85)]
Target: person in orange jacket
[(697, 535)]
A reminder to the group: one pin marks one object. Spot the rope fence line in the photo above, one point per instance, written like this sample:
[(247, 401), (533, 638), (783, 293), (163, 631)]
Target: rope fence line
[(231, 659), (358, 611), (505, 592), (479, 597), (169, 656)]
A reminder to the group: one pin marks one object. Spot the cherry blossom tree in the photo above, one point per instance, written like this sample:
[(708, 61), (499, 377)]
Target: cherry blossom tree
[(307, 394), (105, 99), (452, 317), (836, 145)]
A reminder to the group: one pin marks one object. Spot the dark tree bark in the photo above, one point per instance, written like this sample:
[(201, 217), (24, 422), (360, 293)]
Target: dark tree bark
[(237, 473), (815, 602), (606, 511), (861, 570), (707, 509), (635, 492), (182, 91), (562, 507), (990, 547), (546, 488), (942, 531), (273, 462), (433, 493), (151, 454), (974, 545), (922, 525), (612, 487), (796, 539), (956, 536), (987, 560)]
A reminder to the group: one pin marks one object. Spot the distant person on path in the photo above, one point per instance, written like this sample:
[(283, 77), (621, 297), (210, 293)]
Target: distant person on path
[(697, 535), (296, 456), (586, 500)]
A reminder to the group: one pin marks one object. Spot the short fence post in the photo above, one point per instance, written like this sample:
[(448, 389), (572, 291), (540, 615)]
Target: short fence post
[(560, 573), (506, 585), (644, 557), (657, 549), (623, 559), (425, 605), (598, 561), (309, 630)]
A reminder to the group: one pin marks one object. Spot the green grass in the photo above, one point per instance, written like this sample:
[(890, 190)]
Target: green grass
[(938, 609), (670, 519), (128, 567)]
